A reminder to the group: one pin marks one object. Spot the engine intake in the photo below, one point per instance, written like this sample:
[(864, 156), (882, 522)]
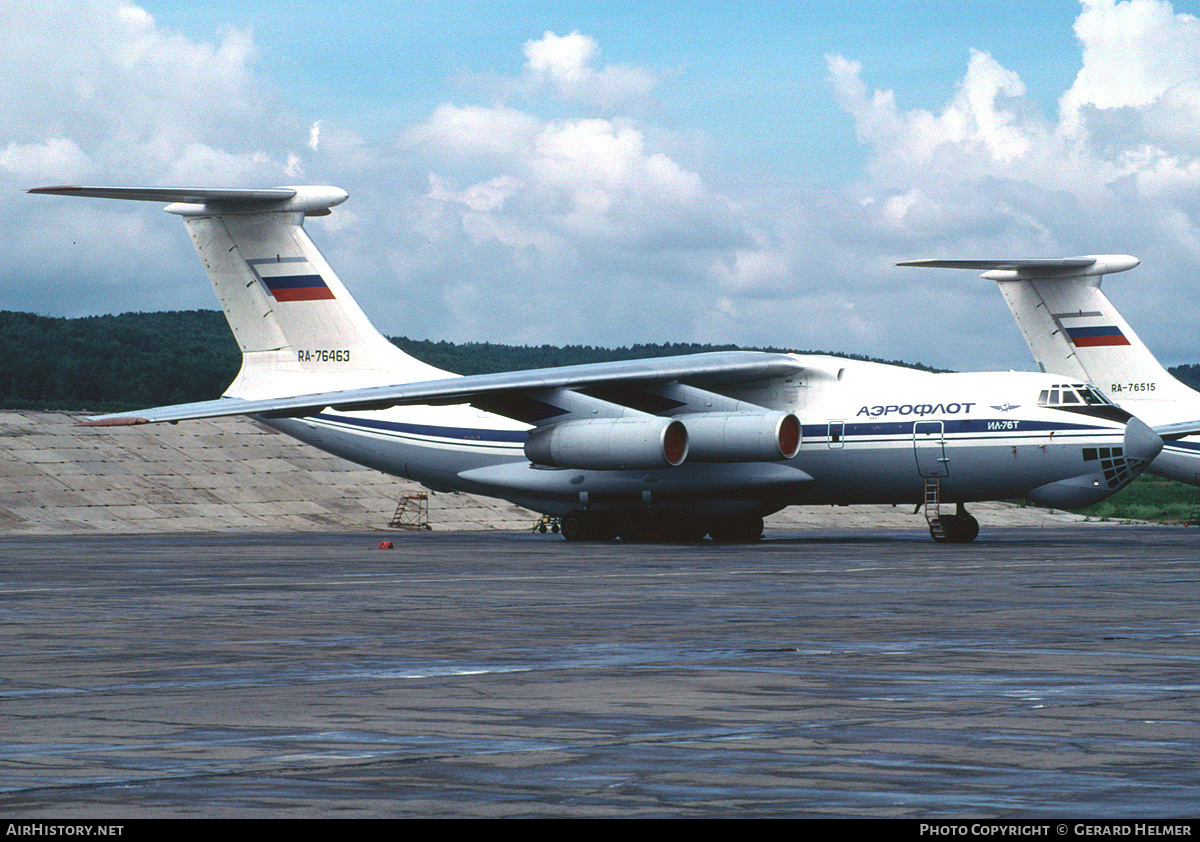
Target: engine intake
[(610, 444)]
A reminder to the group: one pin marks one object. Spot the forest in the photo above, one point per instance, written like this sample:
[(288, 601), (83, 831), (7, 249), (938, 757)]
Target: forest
[(134, 360)]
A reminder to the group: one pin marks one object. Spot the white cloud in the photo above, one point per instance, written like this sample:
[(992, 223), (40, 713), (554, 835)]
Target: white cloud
[(989, 175), (98, 92), (592, 179), (567, 62), (128, 93), (1133, 53), (564, 213), (497, 132), (986, 120), (55, 158), (580, 215)]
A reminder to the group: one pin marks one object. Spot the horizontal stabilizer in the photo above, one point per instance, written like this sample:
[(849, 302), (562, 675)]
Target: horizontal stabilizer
[(1020, 269), (313, 201), (191, 195)]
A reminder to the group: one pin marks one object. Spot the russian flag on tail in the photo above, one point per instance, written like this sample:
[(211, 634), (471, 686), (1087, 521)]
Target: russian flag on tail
[(1091, 337), (298, 288)]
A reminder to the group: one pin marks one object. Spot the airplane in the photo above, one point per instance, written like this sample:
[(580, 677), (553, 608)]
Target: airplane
[(1072, 329), (671, 448)]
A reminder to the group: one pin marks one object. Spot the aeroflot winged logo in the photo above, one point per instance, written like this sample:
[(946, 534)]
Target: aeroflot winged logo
[(285, 279)]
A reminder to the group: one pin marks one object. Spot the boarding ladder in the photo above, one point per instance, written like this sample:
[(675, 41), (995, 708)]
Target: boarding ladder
[(1194, 517), (412, 512), (933, 509)]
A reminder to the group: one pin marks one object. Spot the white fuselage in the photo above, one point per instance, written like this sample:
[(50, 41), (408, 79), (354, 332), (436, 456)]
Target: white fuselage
[(871, 434)]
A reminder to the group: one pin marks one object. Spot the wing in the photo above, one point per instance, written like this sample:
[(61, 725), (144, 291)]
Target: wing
[(1177, 430), (493, 391)]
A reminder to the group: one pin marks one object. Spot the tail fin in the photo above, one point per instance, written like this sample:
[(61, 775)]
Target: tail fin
[(299, 329), (1073, 329)]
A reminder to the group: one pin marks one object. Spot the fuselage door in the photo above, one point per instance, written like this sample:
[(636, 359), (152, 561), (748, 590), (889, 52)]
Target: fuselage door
[(837, 434), (929, 445)]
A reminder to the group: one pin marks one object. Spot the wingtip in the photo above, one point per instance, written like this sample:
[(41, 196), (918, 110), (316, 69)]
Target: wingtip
[(56, 188), (126, 421)]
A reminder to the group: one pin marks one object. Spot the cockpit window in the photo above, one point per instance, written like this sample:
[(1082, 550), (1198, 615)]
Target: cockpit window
[(1072, 393), (1076, 397)]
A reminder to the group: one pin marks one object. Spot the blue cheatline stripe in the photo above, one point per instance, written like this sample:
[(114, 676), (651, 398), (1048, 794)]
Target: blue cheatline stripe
[(905, 428), (862, 432), (461, 433), (294, 282)]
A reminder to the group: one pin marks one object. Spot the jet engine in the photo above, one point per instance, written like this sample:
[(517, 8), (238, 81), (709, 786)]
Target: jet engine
[(741, 436), (610, 444)]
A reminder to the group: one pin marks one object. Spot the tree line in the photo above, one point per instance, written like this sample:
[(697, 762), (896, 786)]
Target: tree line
[(135, 360)]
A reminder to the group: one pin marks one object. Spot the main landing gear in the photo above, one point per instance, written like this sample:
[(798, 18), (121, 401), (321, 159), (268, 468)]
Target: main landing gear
[(958, 528), (605, 526)]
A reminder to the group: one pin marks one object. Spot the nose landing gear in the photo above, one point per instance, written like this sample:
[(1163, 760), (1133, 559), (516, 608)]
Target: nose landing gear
[(958, 528)]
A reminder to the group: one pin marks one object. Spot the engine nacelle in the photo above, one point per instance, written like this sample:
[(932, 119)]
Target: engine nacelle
[(610, 444), (741, 436)]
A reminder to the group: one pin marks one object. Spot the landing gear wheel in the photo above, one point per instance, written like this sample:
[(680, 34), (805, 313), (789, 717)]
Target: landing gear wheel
[(632, 528), (679, 530), (660, 529), (955, 529), (587, 526), (738, 529), (572, 526), (970, 529)]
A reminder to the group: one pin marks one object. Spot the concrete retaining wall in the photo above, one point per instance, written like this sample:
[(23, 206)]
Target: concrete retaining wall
[(235, 475)]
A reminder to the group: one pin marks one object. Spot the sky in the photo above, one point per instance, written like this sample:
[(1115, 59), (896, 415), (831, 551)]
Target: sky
[(617, 173)]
